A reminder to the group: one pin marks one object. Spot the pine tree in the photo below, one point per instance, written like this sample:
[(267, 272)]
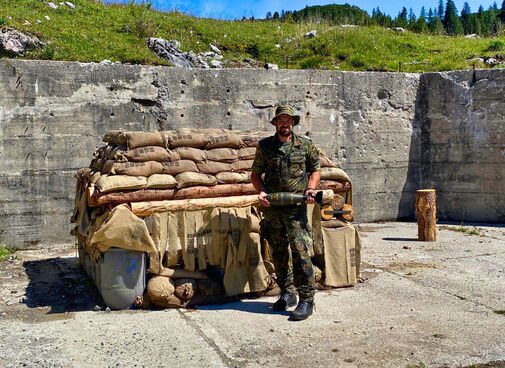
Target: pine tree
[(423, 12), (452, 23), (401, 19), (430, 15), (412, 19), (269, 15), (465, 13), (436, 26), (440, 10), (501, 15), (276, 16)]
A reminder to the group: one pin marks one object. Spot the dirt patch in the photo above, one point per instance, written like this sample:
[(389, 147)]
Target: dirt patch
[(51, 288)]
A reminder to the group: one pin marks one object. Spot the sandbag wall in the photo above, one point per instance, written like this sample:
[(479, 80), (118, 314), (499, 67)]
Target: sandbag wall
[(151, 167)]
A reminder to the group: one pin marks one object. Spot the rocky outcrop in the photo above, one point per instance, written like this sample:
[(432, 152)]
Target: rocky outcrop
[(14, 42)]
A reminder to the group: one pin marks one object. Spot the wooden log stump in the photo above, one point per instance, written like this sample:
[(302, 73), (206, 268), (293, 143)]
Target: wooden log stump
[(426, 210)]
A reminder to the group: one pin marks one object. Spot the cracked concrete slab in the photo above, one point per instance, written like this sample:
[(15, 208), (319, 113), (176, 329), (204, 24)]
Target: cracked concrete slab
[(434, 303)]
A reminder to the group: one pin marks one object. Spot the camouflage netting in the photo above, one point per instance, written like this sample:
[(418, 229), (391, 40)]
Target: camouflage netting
[(206, 253)]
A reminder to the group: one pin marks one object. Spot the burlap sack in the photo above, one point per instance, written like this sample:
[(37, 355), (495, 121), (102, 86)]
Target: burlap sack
[(185, 288), (161, 181), (161, 293), (341, 254), (213, 167), (122, 229), (150, 153), (338, 202), (259, 278), (202, 131), (193, 140), (233, 177), (115, 153), (177, 167), (333, 173), (242, 165), (252, 138), (143, 139), (222, 154), (116, 137), (193, 154), (326, 162), (334, 223), (189, 179), (100, 152), (109, 183), (224, 141), (136, 168), (247, 153), (98, 164)]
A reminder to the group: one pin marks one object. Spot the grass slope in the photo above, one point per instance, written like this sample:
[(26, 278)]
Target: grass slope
[(94, 32)]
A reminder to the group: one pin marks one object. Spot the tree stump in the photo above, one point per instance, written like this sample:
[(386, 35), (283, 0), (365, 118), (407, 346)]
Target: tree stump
[(426, 210)]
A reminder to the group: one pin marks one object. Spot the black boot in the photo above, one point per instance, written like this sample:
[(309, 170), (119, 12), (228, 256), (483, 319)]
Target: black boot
[(302, 311), (285, 301)]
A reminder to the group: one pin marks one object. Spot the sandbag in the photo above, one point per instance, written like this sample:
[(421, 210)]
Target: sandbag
[(193, 140), (233, 177), (189, 179), (242, 165), (222, 154), (144, 139), (202, 131), (109, 183), (116, 137), (161, 181), (177, 167), (335, 185), (247, 153), (224, 141), (136, 168), (213, 167), (252, 138), (341, 256), (115, 153), (333, 173), (161, 293), (334, 223), (193, 154), (151, 153), (98, 164), (215, 191), (122, 229), (326, 162), (185, 288)]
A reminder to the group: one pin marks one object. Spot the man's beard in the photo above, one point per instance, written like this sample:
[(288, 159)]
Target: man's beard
[(284, 132)]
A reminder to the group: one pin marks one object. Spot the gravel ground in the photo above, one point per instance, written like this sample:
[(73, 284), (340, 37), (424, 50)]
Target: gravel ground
[(437, 304)]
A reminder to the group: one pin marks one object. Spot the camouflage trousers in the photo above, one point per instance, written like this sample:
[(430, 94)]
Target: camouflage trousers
[(285, 228)]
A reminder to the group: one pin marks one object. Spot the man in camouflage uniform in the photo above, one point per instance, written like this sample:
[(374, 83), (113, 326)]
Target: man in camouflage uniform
[(290, 164)]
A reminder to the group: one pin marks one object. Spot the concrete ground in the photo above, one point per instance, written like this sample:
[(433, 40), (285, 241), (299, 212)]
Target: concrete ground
[(436, 304)]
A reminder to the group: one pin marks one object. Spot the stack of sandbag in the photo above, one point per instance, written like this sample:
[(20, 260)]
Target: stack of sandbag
[(180, 167), (150, 166)]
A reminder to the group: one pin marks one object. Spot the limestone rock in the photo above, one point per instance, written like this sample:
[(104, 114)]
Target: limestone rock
[(215, 49), (52, 5), (398, 29), (170, 50), (14, 42), (310, 34), (473, 35), (269, 66), (216, 64)]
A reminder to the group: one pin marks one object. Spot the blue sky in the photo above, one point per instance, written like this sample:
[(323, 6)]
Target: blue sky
[(235, 9)]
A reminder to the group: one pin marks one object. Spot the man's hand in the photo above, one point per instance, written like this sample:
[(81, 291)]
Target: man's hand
[(311, 193), (262, 199)]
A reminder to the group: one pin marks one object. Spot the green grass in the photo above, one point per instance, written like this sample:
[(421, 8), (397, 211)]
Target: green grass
[(93, 32), (4, 252), (500, 311), (462, 229)]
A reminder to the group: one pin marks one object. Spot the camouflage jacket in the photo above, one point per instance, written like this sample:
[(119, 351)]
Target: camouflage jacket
[(286, 166)]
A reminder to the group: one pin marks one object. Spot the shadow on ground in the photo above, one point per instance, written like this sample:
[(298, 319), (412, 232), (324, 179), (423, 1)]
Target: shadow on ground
[(246, 306), (61, 284)]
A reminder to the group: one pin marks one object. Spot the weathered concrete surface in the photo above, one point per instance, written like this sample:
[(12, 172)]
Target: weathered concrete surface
[(53, 115), (434, 303), (462, 115)]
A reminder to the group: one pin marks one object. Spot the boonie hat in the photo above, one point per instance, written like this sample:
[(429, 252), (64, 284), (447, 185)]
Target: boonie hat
[(285, 110)]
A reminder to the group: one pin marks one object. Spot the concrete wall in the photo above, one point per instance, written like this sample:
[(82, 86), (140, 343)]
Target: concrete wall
[(462, 115), (376, 125)]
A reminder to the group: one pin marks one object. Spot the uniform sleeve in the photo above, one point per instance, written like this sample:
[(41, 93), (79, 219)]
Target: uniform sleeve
[(312, 160), (258, 166)]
